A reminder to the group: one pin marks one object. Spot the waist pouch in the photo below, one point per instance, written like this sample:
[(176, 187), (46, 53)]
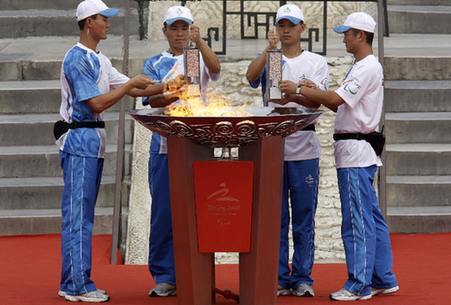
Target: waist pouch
[(376, 139), (310, 127), (61, 127)]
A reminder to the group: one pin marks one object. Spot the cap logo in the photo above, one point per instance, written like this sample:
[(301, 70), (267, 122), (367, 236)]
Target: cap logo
[(287, 9), (179, 11)]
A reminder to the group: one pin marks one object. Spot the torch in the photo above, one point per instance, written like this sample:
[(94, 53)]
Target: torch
[(273, 76), (191, 56)]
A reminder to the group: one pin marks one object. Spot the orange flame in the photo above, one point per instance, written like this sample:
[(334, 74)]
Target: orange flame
[(214, 106)]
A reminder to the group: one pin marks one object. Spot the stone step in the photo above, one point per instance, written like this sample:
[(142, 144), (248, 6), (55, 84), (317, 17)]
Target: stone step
[(419, 19), (419, 2), (39, 58), (417, 45), (29, 58), (37, 129), (46, 193), (403, 191), (52, 22), (417, 96), (17, 69), (418, 67), (30, 96), (43, 161), (418, 159), (51, 69), (52, 4), (418, 127), (48, 221), (40, 96), (430, 219)]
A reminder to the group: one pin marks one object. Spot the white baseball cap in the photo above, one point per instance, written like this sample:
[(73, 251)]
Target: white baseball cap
[(88, 8), (290, 12), (360, 21), (177, 12)]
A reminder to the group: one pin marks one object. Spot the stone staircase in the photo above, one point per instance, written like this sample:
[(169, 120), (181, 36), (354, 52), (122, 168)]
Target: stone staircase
[(418, 121), (30, 175), (27, 18)]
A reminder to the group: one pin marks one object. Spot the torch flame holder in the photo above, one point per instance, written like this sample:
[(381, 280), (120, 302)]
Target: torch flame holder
[(226, 131), (225, 206)]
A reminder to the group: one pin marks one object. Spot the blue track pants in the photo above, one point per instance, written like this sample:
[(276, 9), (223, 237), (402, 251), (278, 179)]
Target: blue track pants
[(364, 231), (161, 249), (300, 184), (82, 177)]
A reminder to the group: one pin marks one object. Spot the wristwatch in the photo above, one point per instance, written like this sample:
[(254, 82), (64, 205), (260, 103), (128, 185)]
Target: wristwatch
[(298, 90)]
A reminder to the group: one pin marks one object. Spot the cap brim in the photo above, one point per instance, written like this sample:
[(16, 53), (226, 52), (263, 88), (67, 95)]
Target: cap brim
[(292, 19), (341, 28), (172, 20), (110, 12)]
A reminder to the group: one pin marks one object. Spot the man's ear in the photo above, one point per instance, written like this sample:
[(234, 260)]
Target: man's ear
[(88, 22), (361, 36), (303, 27)]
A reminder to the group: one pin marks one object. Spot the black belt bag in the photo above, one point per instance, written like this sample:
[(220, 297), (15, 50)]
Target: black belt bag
[(61, 127), (310, 127), (376, 139)]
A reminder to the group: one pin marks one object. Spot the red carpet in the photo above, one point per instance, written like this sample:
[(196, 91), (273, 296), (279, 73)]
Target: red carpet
[(30, 266)]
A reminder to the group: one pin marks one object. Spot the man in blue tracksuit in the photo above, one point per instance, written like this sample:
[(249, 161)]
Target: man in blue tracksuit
[(166, 69), (89, 85), (301, 154), (358, 104)]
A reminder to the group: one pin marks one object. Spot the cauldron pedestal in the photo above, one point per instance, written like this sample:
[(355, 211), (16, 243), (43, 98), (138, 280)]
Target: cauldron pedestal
[(226, 205)]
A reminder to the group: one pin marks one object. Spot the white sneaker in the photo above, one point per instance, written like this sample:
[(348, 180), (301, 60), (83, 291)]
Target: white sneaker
[(281, 291), (91, 297), (303, 290), (64, 293), (378, 291), (345, 295)]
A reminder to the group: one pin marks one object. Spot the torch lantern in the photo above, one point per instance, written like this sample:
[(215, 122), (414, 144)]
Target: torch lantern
[(192, 70), (273, 75)]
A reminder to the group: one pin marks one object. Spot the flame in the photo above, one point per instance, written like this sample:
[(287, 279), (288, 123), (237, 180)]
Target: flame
[(215, 105)]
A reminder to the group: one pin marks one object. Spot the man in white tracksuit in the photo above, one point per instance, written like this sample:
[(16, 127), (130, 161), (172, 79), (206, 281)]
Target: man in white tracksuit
[(358, 103), (301, 152)]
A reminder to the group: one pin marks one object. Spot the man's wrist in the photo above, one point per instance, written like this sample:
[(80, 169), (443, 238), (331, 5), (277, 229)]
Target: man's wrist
[(270, 48), (202, 41), (298, 90), (166, 86)]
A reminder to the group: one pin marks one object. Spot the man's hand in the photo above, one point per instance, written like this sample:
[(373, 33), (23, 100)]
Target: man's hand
[(308, 83), (288, 87), (175, 84), (195, 34), (141, 82), (174, 95), (273, 39), (285, 100)]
